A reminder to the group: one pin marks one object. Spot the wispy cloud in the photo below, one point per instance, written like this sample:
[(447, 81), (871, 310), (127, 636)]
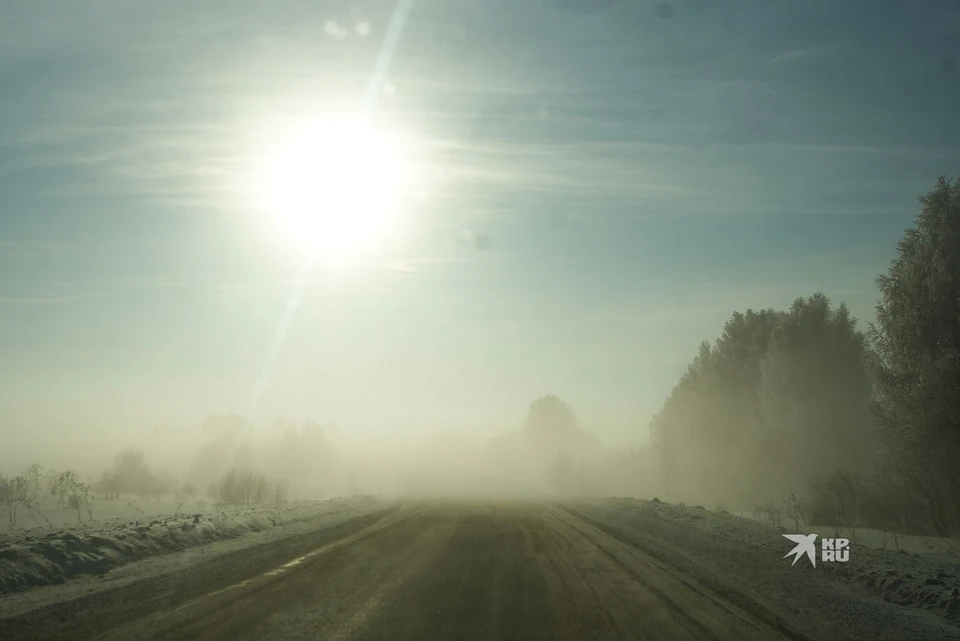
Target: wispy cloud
[(44, 300), (165, 108), (176, 116)]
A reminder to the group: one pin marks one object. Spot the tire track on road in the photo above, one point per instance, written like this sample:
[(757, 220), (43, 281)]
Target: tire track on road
[(230, 612), (710, 588)]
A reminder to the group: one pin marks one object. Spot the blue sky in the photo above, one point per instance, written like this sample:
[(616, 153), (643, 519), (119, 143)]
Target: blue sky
[(640, 174)]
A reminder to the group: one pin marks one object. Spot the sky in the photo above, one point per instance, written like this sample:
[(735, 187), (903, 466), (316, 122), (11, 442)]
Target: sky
[(602, 184)]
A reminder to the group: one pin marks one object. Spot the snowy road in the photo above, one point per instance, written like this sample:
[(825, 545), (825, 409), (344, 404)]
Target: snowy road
[(422, 571), (609, 569)]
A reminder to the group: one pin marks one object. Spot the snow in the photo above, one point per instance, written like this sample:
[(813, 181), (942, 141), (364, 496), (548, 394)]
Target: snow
[(877, 594), (129, 508), (895, 593), (50, 555)]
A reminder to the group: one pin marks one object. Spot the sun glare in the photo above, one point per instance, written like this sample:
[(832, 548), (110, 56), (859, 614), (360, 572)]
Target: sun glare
[(335, 187)]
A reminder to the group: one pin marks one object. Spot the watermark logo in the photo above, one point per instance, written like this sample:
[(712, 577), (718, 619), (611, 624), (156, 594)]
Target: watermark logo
[(831, 550)]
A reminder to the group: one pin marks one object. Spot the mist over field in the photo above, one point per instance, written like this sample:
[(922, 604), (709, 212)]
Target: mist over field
[(480, 319), (471, 250), (549, 456), (794, 412)]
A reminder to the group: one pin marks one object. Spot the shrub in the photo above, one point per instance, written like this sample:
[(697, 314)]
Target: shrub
[(245, 485), (186, 492), (13, 493), (78, 498), (838, 500), (794, 508), (34, 479), (109, 485), (770, 511)]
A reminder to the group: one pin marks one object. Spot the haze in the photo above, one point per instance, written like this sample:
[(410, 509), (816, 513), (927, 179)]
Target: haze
[(591, 195)]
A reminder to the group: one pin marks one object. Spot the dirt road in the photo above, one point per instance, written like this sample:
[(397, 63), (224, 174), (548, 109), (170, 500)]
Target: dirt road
[(420, 571)]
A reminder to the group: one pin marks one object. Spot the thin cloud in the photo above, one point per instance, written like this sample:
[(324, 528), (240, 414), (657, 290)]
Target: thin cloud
[(44, 300), (187, 139)]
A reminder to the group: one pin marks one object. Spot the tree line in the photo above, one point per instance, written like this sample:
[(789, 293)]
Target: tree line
[(865, 424)]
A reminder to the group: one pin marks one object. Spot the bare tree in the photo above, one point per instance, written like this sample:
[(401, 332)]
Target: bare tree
[(34, 477), (186, 492), (13, 493), (794, 507), (78, 497)]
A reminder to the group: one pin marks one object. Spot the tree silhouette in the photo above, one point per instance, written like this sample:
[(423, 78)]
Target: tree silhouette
[(780, 396), (549, 421), (916, 337)]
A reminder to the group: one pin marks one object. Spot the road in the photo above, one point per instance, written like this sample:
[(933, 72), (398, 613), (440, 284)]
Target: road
[(430, 570)]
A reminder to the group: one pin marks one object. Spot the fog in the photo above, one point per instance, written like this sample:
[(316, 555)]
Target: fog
[(549, 455), (707, 445), (777, 415), (563, 198), (795, 411)]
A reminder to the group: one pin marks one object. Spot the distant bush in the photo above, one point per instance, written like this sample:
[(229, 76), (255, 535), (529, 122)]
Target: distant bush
[(130, 474), (838, 500), (34, 478), (70, 491), (22, 493), (108, 485), (186, 492), (771, 511), (13, 493), (245, 485), (78, 498), (794, 509), (60, 488), (131, 470)]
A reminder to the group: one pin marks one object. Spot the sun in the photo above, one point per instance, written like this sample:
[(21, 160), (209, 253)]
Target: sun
[(335, 186)]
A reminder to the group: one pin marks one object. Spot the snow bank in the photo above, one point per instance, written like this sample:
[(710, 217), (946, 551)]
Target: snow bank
[(908, 580), (747, 556), (51, 555)]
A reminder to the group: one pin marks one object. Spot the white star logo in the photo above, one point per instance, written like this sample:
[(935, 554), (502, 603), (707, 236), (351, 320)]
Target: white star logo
[(805, 545)]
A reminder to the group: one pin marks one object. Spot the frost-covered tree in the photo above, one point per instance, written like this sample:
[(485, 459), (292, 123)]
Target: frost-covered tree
[(780, 397), (916, 338)]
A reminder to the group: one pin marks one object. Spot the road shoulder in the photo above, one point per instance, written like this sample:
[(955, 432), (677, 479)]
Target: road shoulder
[(150, 585), (744, 562)]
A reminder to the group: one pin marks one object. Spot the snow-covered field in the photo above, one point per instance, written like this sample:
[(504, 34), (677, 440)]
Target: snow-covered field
[(36, 562), (876, 539), (911, 589), (52, 513)]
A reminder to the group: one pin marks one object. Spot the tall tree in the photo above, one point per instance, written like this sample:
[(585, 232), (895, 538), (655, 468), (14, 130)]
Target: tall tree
[(815, 393), (780, 397), (916, 337), (549, 420), (703, 436), (555, 446)]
